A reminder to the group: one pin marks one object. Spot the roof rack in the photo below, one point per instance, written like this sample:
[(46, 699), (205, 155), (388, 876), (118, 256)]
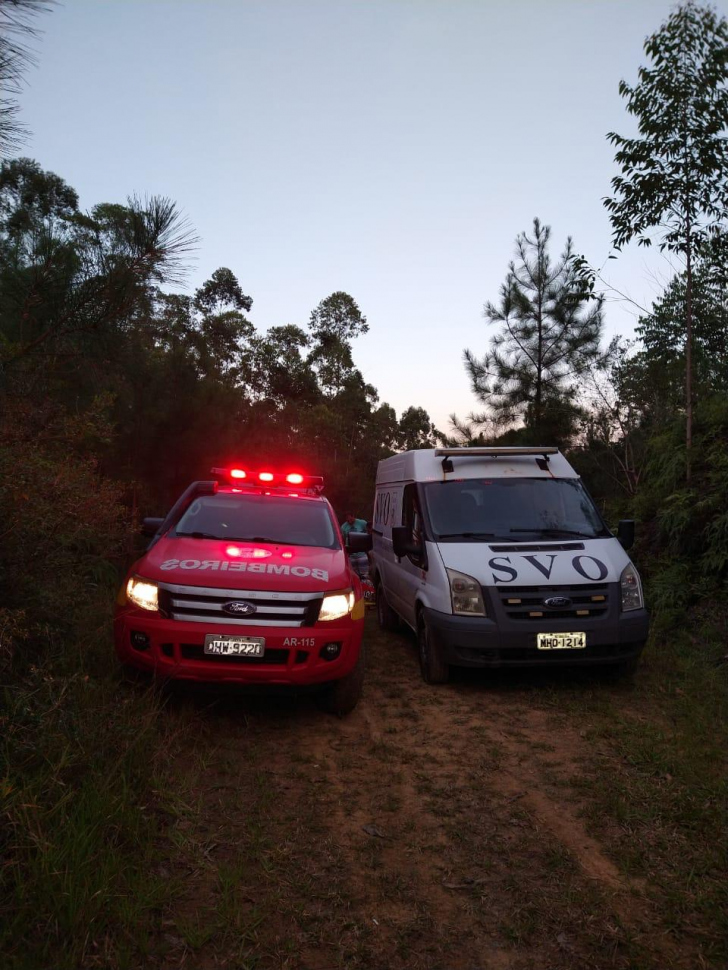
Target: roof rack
[(540, 454)]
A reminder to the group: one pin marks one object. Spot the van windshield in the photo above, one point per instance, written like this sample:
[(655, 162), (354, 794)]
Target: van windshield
[(259, 518), (512, 508)]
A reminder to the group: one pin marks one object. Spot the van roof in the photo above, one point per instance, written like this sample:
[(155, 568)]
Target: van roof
[(451, 464)]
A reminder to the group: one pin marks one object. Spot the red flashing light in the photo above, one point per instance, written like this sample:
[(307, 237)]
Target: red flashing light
[(266, 476), (238, 473), (286, 555), (294, 479), (232, 551)]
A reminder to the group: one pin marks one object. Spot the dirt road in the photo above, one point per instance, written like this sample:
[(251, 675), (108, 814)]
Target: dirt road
[(436, 827)]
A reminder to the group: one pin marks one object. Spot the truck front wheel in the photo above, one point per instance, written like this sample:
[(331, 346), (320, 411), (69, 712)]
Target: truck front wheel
[(343, 695)]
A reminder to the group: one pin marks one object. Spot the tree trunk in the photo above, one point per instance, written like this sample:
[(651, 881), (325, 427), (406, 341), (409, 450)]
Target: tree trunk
[(689, 362)]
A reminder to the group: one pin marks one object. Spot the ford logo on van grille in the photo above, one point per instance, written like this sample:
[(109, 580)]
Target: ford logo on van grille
[(239, 608), (557, 602)]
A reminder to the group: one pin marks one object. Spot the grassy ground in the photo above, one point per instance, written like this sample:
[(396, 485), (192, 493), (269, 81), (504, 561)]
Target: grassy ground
[(509, 820), (81, 762)]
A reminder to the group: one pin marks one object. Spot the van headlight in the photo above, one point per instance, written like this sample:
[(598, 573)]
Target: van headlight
[(337, 605), (631, 587), (142, 593), (466, 594)]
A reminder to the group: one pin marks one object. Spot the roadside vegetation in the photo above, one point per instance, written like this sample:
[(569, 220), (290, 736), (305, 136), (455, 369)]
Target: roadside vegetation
[(140, 828)]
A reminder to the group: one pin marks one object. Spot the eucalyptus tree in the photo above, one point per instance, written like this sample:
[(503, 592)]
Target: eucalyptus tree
[(674, 172)]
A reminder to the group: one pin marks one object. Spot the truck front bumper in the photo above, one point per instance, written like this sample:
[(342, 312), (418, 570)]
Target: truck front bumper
[(174, 650), (480, 642)]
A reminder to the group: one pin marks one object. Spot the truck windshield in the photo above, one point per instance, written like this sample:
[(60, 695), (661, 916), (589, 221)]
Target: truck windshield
[(517, 509), (259, 518)]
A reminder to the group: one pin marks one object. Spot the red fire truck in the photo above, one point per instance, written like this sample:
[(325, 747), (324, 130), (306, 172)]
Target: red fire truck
[(247, 581)]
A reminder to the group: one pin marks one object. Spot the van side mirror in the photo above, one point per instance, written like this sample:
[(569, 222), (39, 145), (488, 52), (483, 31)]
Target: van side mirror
[(625, 533), (402, 543), (150, 527), (360, 542)]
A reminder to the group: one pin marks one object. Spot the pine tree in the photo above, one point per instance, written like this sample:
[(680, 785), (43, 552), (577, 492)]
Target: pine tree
[(549, 333)]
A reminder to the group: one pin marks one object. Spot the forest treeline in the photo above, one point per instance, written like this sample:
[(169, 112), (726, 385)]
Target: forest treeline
[(118, 386)]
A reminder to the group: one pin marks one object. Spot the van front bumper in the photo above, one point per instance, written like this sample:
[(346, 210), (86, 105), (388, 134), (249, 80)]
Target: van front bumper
[(480, 642)]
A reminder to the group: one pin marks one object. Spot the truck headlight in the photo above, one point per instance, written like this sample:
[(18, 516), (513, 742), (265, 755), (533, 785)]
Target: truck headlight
[(631, 587), (466, 595), (142, 593), (337, 605)]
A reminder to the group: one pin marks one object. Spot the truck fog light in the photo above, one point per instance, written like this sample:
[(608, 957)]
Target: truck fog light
[(139, 640), (330, 651)]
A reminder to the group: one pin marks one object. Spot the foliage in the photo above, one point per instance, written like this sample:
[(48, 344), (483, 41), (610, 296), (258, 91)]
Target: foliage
[(662, 331), (674, 174), (548, 335), (17, 24)]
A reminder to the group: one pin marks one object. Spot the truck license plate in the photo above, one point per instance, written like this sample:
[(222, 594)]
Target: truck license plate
[(561, 641), (225, 645)]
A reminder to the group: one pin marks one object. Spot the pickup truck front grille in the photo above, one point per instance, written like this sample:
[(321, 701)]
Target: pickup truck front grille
[(203, 604), (586, 601)]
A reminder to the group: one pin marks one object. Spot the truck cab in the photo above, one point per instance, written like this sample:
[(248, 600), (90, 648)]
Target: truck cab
[(246, 581), (499, 557)]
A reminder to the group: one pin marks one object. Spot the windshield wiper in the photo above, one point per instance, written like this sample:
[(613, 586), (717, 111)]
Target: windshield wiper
[(198, 535), (468, 535), (558, 532)]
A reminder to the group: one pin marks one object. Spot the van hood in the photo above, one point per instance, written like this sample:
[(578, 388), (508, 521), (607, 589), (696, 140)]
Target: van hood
[(537, 563), (239, 565)]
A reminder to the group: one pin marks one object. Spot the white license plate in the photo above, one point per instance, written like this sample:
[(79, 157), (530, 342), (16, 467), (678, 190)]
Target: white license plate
[(223, 645), (561, 641)]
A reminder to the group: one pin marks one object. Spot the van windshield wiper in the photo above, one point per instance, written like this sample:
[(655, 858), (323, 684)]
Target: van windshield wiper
[(559, 532), (468, 535)]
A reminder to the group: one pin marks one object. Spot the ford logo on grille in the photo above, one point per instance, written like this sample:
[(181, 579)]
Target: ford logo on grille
[(239, 608), (557, 602)]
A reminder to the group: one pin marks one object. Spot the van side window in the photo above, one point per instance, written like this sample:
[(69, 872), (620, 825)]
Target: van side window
[(412, 518)]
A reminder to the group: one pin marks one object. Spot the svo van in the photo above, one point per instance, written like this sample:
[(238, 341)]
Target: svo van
[(499, 557)]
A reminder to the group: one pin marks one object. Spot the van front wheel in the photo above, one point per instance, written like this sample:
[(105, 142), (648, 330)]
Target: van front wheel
[(388, 619), (434, 669)]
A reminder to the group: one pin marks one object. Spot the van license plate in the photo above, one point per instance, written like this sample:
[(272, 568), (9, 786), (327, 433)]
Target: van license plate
[(561, 641), (224, 645)]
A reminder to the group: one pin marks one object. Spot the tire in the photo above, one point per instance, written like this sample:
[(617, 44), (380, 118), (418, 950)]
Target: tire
[(432, 665), (388, 619), (341, 697)]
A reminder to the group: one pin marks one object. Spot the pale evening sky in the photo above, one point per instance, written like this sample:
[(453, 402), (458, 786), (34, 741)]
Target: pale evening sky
[(389, 148)]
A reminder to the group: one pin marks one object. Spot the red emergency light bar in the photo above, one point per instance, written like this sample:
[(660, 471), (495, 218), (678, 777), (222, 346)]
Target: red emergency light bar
[(270, 478)]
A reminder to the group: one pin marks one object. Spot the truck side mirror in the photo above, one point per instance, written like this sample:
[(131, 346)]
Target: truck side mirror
[(625, 533), (402, 543), (360, 542), (150, 527)]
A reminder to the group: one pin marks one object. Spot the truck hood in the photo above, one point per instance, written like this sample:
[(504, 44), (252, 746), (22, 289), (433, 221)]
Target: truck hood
[(239, 565), (537, 563)]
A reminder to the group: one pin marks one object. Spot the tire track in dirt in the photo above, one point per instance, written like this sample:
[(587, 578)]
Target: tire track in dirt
[(478, 859)]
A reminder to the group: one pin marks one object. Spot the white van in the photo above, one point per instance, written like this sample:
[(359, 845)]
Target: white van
[(499, 557)]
